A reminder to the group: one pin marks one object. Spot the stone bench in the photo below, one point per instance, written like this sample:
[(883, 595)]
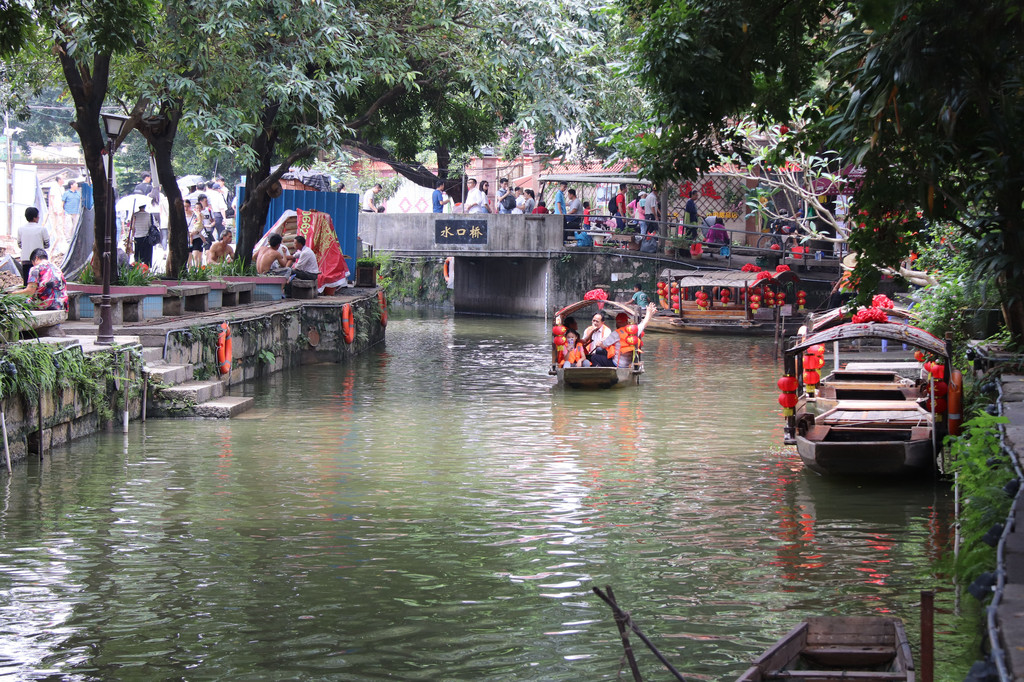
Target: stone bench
[(302, 288), (123, 308), (46, 323), (74, 305), (192, 298), (237, 293)]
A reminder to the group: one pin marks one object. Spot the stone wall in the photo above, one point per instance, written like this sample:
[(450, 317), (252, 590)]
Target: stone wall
[(269, 343), (67, 413)]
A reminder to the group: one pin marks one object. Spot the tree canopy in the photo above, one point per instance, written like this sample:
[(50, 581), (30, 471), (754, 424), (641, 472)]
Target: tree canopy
[(925, 96)]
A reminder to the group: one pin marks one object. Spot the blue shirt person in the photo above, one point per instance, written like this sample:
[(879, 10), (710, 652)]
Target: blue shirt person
[(560, 199), (438, 199), (639, 297)]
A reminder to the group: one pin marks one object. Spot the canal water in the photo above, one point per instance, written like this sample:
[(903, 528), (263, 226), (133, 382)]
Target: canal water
[(436, 510)]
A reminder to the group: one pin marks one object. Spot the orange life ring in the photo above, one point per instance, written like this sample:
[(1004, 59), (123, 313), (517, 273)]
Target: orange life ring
[(955, 401), (348, 324), (448, 269), (224, 354), (383, 301)]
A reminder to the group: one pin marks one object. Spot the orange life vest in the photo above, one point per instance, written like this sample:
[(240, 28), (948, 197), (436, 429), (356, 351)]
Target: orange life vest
[(575, 354), (624, 347)]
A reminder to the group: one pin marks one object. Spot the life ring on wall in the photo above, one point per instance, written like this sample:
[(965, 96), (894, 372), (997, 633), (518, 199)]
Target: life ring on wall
[(224, 354), (955, 401), (449, 270), (348, 324), (383, 301)]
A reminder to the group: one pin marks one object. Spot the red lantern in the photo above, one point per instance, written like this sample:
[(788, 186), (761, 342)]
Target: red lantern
[(941, 389), (558, 330), (787, 384), (631, 340), (675, 286), (817, 349), (811, 378), (559, 341), (675, 298), (938, 370), (631, 329), (787, 400)]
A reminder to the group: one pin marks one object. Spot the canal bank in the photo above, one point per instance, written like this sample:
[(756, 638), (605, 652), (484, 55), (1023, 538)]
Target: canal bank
[(59, 389)]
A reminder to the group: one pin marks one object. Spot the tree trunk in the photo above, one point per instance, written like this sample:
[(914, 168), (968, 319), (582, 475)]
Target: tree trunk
[(160, 132), (88, 89)]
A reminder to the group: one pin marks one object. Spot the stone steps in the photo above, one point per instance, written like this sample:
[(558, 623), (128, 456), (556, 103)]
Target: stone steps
[(175, 393)]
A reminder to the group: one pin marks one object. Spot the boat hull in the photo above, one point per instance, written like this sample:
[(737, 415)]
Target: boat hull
[(892, 458), (838, 648), (597, 377)]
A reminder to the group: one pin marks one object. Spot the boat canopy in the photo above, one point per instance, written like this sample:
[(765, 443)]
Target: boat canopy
[(728, 278), (900, 333), (829, 318), (618, 307)]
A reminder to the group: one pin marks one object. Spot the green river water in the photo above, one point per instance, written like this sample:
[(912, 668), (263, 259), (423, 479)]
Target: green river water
[(436, 510)]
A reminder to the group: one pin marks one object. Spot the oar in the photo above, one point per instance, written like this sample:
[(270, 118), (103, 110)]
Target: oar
[(624, 615)]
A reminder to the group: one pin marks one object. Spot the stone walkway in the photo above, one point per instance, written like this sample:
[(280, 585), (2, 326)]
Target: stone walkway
[(1006, 613)]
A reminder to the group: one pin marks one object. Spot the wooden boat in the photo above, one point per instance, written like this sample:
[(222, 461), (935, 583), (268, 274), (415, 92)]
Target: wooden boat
[(597, 377), (735, 317), (868, 418), (830, 649)]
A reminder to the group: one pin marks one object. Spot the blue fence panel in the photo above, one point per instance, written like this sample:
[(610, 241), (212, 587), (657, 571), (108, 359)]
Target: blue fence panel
[(342, 207)]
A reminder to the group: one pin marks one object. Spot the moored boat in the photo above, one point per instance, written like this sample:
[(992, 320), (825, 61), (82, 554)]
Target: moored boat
[(826, 649), (868, 418), (749, 303)]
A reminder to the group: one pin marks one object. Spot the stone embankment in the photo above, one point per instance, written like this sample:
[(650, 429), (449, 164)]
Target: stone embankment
[(170, 366)]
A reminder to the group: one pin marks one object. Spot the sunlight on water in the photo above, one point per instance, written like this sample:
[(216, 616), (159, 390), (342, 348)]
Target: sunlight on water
[(437, 510)]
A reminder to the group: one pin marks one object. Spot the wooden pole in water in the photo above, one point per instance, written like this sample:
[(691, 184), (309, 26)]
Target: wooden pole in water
[(7, 449), (643, 638), (927, 635), (624, 635), (127, 383), (39, 404)]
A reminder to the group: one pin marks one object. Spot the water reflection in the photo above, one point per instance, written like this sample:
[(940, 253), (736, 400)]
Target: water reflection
[(438, 510)]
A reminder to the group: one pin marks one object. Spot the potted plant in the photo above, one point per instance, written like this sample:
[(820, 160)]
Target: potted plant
[(679, 244), (366, 271)]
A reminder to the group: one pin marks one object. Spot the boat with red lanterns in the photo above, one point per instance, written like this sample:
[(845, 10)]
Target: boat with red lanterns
[(869, 417), (750, 301), (630, 332)]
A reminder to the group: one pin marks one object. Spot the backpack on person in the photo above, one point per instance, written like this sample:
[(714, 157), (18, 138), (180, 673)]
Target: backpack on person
[(508, 202), (613, 204)]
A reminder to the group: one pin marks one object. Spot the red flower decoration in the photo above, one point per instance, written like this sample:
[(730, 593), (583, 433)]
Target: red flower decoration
[(764, 274), (750, 267), (782, 268), (882, 301), (870, 315), (596, 295), (776, 247)]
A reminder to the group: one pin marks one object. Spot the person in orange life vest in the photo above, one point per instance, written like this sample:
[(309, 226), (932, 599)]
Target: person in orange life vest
[(575, 354), (597, 338), (624, 350)]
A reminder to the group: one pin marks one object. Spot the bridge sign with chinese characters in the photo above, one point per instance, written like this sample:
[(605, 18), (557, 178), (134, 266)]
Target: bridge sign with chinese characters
[(460, 231)]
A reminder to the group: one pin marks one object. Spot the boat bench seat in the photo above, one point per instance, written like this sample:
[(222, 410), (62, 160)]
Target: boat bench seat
[(819, 675), (832, 656)]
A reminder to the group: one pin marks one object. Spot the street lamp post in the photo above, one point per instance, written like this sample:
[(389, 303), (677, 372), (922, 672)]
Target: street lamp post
[(105, 334)]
